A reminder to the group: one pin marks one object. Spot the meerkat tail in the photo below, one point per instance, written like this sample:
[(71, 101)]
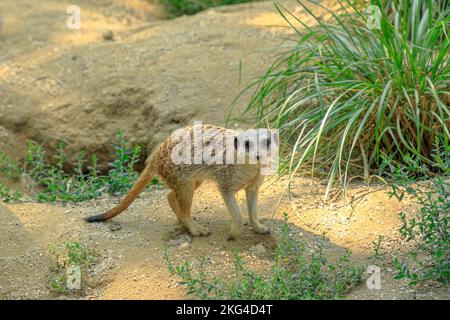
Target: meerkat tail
[(146, 176)]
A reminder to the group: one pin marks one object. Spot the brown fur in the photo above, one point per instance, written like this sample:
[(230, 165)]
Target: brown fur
[(183, 179)]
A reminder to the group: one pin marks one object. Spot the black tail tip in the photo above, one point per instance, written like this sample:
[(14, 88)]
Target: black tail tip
[(95, 218)]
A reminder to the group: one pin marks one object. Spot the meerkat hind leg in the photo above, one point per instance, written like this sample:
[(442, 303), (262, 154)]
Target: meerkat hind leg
[(181, 203), (252, 205)]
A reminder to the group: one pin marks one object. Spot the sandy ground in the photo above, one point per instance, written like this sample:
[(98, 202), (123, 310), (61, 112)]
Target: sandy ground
[(128, 68), (131, 264)]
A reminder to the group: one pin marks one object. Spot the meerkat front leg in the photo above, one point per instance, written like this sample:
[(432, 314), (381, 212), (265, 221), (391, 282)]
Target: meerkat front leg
[(237, 225), (252, 205), (181, 203)]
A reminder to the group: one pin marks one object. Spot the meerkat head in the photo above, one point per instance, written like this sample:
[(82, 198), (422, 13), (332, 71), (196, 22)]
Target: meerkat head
[(257, 145)]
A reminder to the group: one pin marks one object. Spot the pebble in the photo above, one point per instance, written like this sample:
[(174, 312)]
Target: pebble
[(184, 245), (108, 35), (259, 248), (114, 226)]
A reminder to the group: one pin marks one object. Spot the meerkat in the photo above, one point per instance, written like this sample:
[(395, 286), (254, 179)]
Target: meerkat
[(231, 169)]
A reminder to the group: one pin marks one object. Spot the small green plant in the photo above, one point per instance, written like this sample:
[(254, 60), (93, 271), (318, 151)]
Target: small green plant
[(71, 254), (7, 195), (429, 227), (8, 167), (180, 7), (11, 170), (83, 183), (122, 174), (56, 184), (293, 275), (377, 248), (35, 162)]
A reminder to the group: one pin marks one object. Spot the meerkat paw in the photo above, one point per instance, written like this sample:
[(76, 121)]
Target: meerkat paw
[(232, 237), (235, 233), (261, 229)]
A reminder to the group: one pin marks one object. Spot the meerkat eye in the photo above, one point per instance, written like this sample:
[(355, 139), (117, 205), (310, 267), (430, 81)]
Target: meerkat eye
[(247, 145), (268, 143)]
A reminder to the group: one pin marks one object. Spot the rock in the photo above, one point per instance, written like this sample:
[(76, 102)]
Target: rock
[(259, 248), (108, 35), (184, 245), (114, 226), (179, 240)]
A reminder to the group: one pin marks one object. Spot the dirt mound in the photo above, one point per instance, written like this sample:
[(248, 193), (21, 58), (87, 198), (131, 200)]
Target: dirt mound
[(156, 75)]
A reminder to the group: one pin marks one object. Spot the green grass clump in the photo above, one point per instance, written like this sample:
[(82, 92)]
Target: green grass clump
[(294, 275), (84, 183), (181, 7), (346, 96), (71, 254)]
